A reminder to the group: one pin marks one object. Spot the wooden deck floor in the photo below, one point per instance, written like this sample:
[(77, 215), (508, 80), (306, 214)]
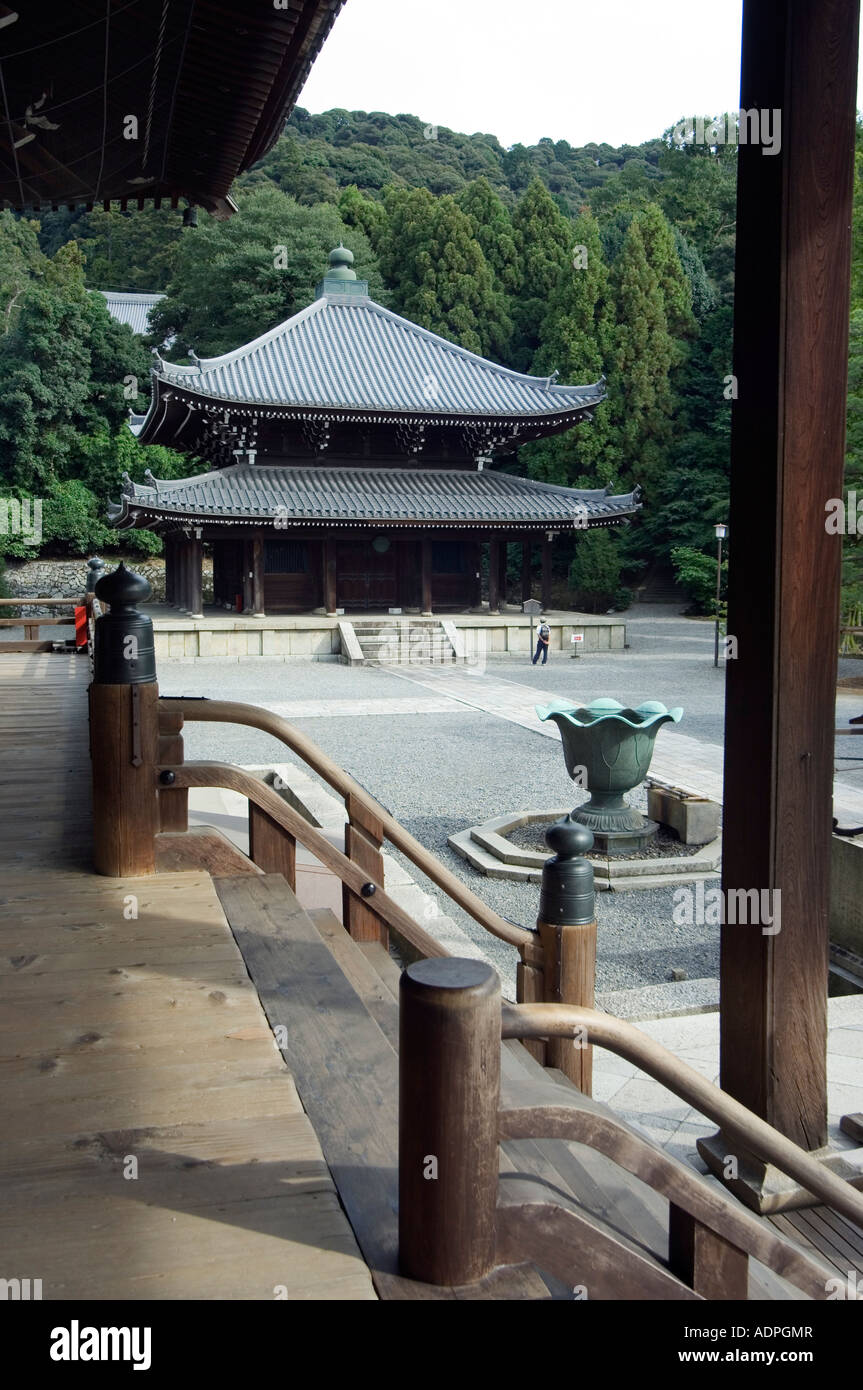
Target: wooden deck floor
[(153, 1143)]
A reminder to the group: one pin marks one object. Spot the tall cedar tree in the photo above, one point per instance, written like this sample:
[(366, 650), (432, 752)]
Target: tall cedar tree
[(640, 393), (577, 341), (438, 273), (544, 239)]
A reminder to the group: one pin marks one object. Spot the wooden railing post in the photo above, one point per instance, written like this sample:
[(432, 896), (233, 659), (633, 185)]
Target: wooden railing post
[(124, 731), (449, 1093), (173, 801), (704, 1259), (567, 929), (271, 847), (364, 837)]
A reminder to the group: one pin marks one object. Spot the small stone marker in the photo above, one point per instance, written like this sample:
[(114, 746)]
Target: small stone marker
[(677, 974)]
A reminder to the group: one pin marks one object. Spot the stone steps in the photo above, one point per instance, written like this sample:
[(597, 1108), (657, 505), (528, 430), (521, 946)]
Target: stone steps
[(399, 642)]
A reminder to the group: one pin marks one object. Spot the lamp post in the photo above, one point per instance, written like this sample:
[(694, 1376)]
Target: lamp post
[(721, 532)]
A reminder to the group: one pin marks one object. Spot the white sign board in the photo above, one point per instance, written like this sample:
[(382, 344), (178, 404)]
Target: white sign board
[(577, 637)]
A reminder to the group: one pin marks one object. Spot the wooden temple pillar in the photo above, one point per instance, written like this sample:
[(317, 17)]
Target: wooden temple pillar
[(248, 597), (494, 575), (195, 606), (792, 277), (328, 552), (546, 572), (182, 599), (257, 557), (168, 544), (526, 552), (426, 574), (502, 568), (476, 574)]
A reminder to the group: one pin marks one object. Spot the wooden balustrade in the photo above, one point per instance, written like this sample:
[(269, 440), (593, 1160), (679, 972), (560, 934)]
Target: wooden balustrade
[(449, 1010), (32, 642)]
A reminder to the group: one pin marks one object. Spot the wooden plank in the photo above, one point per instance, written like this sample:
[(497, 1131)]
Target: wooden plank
[(347, 1075), (201, 847), (359, 970)]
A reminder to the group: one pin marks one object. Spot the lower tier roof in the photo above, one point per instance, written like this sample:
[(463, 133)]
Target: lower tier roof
[(290, 496)]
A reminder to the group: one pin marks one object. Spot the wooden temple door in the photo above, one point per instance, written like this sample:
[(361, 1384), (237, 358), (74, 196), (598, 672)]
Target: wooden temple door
[(366, 573)]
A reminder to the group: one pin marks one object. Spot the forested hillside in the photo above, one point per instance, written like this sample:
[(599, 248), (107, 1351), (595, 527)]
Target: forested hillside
[(548, 258)]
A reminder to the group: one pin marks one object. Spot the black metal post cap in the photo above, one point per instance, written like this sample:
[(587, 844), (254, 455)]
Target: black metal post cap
[(368, 890), (123, 588), (167, 778), (567, 894), (568, 839)]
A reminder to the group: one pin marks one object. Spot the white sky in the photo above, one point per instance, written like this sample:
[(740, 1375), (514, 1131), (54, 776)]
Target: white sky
[(619, 71)]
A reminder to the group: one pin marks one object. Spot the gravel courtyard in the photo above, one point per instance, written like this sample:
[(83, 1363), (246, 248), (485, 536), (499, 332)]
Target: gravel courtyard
[(448, 767)]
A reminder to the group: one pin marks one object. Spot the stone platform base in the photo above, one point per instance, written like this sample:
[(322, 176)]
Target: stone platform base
[(489, 851), (315, 636)]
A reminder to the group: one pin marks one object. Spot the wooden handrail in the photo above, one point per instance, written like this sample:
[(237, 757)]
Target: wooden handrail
[(44, 602), (212, 774), (753, 1133), (608, 1135), (234, 712)]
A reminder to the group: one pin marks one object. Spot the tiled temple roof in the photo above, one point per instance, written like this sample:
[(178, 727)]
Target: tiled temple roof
[(294, 495), (345, 352)]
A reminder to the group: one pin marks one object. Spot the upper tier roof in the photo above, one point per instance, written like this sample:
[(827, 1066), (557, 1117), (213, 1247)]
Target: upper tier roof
[(345, 352)]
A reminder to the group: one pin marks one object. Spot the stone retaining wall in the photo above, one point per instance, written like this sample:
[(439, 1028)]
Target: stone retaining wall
[(66, 578)]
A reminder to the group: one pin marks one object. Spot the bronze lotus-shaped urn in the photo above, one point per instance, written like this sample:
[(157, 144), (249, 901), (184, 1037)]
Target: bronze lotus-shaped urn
[(607, 749)]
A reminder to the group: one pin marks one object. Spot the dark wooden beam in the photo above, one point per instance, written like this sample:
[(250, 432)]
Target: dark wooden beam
[(196, 578), (426, 564), (546, 572), (329, 565), (248, 597), (258, 575), (503, 567), (525, 570), (788, 428), (494, 576)]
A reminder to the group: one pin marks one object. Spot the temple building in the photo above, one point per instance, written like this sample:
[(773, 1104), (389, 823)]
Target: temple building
[(358, 463)]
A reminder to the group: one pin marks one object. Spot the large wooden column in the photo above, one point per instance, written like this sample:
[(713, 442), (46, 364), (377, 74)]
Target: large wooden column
[(501, 583), (546, 572), (248, 598), (196, 578), (328, 550), (525, 571), (494, 576), (182, 573), (258, 576), (426, 568), (475, 553), (788, 429)]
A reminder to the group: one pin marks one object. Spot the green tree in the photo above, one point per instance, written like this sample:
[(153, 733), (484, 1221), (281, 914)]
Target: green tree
[(594, 575), (641, 397), (130, 250), (544, 240), (438, 273), (237, 279), (577, 341), (492, 226)]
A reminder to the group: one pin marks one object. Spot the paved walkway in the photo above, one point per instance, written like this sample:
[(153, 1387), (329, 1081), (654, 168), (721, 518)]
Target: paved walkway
[(675, 1125), (685, 762)]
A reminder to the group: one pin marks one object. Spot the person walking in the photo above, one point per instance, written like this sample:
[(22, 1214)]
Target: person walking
[(542, 642)]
